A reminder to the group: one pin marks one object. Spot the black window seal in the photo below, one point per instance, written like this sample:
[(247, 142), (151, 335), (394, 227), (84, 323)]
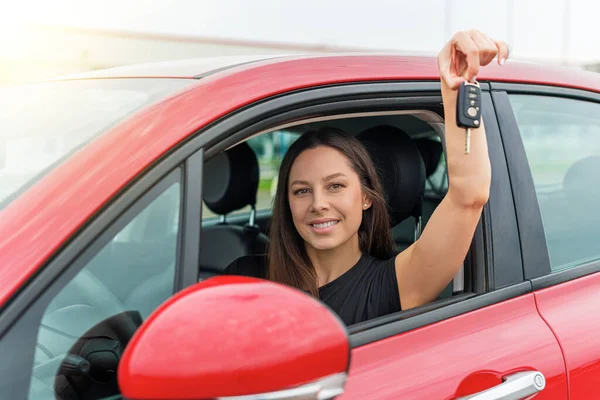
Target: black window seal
[(190, 222), (503, 244), (566, 275), (534, 250), (547, 90)]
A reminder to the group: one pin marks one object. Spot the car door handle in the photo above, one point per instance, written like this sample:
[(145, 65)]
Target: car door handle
[(515, 387)]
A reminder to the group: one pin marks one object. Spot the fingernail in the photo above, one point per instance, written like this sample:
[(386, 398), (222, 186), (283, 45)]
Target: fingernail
[(502, 61)]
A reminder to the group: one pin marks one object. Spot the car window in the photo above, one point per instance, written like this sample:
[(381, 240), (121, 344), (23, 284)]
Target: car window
[(269, 149), (437, 183), (43, 123), (562, 141), (85, 327)]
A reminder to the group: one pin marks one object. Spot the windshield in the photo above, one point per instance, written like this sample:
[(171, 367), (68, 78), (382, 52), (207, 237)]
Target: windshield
[(42, 123)]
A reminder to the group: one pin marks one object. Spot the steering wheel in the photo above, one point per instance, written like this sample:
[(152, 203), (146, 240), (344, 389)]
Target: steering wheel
[(83, 333)]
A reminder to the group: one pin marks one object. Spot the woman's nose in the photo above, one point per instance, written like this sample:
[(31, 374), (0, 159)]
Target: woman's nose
[(319, 202)]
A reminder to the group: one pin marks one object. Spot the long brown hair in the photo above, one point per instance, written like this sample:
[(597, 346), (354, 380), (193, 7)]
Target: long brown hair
[(288, 262)]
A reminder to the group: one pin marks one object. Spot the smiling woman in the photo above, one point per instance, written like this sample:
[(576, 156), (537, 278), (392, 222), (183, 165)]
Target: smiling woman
[(330, 228), (334, 203)]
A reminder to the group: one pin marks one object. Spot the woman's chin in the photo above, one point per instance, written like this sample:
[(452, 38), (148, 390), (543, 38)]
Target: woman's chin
[(324, 244)]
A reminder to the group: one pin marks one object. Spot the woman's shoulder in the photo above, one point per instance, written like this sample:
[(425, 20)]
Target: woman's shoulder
[(251, 265)]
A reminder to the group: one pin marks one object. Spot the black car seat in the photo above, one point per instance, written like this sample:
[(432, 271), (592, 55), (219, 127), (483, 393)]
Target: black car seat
[(572, 231), (431, 152), (400, 169), (403, 174), (230, 183)]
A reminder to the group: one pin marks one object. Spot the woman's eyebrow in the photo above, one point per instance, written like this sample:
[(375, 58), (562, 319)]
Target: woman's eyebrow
[(332, 176), (327, 178), (299, 183)]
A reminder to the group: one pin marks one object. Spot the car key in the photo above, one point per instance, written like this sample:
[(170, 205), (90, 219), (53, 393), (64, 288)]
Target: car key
[(468, 110)]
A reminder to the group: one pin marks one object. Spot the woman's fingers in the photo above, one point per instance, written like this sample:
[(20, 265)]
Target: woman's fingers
[(502, 51), (447, 70), (462, 57), (487, 47), (464, 43)]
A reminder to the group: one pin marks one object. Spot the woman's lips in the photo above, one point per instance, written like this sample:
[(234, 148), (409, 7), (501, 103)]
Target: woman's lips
[(323, 227)]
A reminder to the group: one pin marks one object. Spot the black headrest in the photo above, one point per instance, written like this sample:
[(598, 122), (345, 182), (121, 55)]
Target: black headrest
[(583, 177), (231, 180), (431, 152), (400, 168)]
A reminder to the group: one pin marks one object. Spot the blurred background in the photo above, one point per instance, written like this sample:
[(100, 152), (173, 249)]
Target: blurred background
[(43, 39)]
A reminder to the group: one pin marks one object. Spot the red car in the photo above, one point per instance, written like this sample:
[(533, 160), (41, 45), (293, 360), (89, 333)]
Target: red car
[(125, 193)]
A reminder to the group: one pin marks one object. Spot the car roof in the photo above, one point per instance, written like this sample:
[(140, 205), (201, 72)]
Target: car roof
[(186, 68), (513, 71)]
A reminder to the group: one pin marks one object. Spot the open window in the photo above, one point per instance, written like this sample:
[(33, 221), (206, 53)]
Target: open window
[(239, 185)]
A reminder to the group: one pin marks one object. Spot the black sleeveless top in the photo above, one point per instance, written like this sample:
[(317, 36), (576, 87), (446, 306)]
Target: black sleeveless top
[(367, 290)]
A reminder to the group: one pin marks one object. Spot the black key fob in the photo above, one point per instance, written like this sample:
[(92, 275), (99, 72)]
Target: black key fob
[(468, 105)]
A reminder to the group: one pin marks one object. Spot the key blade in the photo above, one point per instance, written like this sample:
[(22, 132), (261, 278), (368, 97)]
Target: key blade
[(468, 141)]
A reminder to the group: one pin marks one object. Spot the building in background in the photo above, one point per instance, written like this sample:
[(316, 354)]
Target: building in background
[(42, 52), (593, 67)]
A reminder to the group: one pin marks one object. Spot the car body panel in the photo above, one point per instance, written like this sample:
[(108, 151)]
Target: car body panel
[(188, 68), (570, 309), (460, 356)]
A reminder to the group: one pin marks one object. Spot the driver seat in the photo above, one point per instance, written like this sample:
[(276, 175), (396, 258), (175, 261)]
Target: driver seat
[(403, 174), (231, 183), (401, 171)]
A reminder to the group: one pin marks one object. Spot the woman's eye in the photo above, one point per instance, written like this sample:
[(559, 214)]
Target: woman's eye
[(336, 186), (300, 191)]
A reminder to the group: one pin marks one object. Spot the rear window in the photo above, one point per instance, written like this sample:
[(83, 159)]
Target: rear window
[(42, 124)]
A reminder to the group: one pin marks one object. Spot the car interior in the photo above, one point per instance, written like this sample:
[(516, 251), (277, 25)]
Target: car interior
[(407, 152)]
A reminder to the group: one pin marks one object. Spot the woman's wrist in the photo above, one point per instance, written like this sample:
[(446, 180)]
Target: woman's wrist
[(449, 98)]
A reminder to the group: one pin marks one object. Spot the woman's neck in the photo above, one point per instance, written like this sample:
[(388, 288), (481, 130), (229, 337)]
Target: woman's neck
[(331, 264)]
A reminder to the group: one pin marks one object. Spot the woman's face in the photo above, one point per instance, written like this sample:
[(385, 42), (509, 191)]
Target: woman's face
[(325, 197)]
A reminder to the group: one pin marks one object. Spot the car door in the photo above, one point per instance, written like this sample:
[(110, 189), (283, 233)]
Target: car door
[(478, 344), (554, 135), (472, 342)]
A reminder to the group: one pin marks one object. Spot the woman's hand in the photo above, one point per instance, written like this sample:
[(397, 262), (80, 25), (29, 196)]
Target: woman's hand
[(467, 51)]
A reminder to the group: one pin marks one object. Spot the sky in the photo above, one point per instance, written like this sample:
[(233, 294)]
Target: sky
[(534, 29)]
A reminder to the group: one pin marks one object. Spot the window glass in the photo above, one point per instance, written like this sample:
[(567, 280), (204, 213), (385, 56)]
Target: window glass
[(562, 141), (43, 123), (85, 327), (437, 183), (269, 149)]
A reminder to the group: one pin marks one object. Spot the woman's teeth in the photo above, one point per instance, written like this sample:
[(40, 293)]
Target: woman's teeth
[(325, 224)]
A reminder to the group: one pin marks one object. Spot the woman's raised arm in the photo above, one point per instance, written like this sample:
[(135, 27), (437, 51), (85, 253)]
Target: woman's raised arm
[(426, 267)]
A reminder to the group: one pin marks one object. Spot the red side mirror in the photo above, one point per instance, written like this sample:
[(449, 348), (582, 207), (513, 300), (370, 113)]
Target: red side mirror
[(236, 336)]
